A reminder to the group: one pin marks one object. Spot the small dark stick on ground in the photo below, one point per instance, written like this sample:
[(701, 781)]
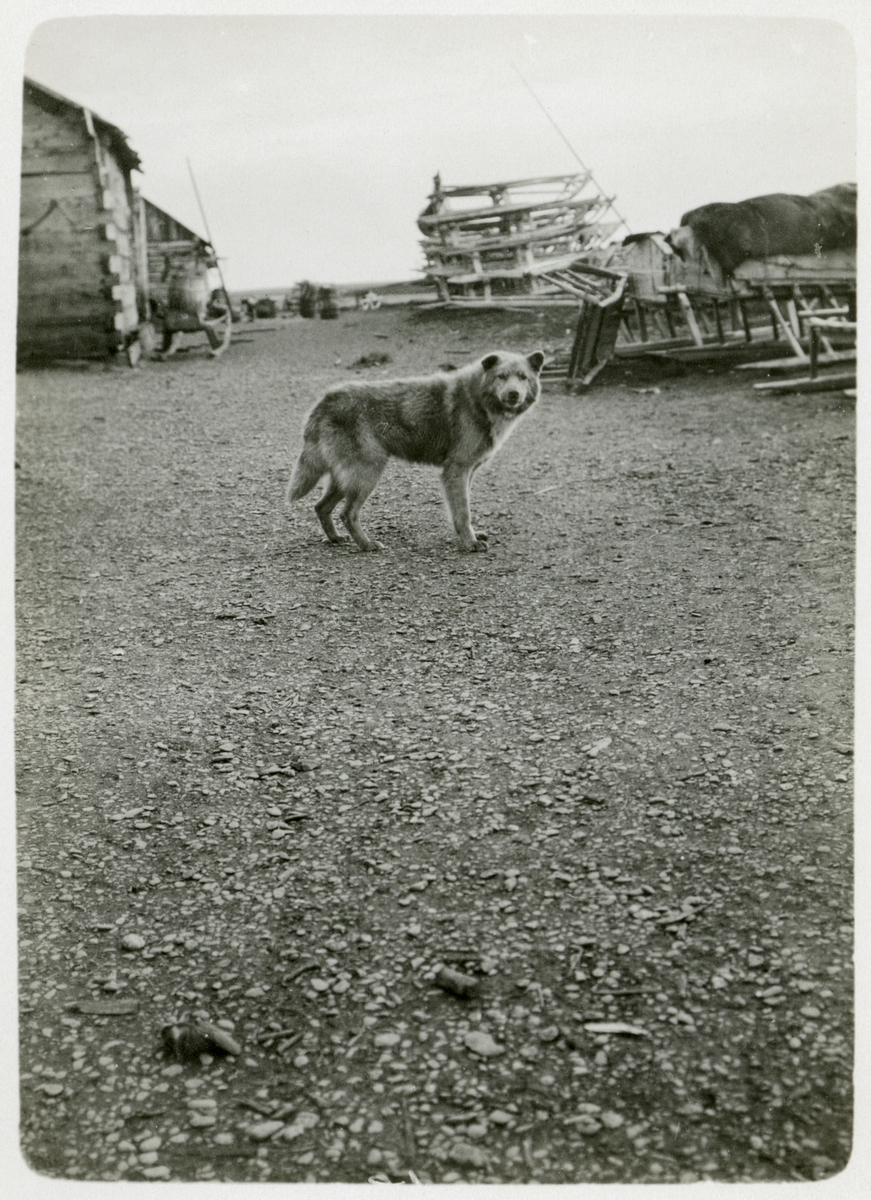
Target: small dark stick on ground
[(465, 986)]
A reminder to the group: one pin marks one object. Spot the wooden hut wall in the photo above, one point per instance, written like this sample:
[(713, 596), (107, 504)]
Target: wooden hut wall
[(76, 294), (167, 248)]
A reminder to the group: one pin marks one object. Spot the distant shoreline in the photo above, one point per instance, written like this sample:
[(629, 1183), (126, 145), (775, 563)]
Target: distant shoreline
[(406, 285)]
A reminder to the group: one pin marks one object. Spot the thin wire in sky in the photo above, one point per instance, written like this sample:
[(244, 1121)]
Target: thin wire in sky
[(573, 151)]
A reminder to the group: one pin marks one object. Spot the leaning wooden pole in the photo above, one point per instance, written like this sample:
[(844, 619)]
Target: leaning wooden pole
[(208, 231)]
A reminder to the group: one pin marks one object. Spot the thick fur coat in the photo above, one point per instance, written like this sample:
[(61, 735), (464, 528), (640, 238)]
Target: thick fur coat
[(769, 225), (453, 420)]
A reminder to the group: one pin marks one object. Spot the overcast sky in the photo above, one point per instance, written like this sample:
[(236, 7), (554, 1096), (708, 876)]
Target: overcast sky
[(314, 139)]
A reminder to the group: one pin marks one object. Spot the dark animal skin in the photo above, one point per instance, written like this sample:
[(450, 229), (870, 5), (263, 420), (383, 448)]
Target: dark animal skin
[(769, 225)]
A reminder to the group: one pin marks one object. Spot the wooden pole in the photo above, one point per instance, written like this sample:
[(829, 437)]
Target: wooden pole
[(209, 233), (690, 317), (822, 383), (784, 325)]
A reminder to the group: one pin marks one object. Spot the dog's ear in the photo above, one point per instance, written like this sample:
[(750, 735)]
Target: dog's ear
[(536, 361), (490, 362)]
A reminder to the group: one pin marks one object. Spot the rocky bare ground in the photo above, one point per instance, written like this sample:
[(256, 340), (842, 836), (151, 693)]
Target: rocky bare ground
[(601, 774)]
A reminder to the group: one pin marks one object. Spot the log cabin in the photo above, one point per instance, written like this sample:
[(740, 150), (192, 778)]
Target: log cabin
[(77, 293)]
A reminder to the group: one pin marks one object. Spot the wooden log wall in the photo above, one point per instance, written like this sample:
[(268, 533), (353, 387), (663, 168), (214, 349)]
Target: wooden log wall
[(166, 249), (76, 295)]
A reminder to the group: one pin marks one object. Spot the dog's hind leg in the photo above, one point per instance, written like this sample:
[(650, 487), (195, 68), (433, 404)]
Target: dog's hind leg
[(358, 493), (324, 508)]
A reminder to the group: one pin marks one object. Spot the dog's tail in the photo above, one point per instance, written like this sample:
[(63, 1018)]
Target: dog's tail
[(310, 467)]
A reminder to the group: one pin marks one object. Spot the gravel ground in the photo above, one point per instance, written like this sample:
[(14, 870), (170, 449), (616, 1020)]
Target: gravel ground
[(602, 774)]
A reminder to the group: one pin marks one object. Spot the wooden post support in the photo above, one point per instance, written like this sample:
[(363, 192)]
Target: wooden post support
[(818, 339), (792, 313), (642, 323), (734, 316), (745, 319), (690, 317), (577, 347), (673, 289), (815, 348), (669, 318), (784, 325), (721, 337)]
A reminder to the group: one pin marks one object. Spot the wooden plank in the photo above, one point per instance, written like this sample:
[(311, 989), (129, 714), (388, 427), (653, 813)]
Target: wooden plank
[(67, 253), (71, 341), (74, 158), (733, 339), (822, 383), (712, 351), (184, 246), (65, 308), (543, 266), (734, 346), (476, 218), (41, 272), (564, 286), (57, 162), (504, 303), (63, 242), (596, 335), (544, 233), (484, 189), (45, 288), (72, 189), (832, 325), (577, 343), (64, 305), (638, 349), (792, 316), (602, 272), (788, 364), (43, 277)]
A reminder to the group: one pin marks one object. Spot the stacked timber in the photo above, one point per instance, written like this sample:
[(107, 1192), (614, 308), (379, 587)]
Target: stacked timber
[(514, 240)]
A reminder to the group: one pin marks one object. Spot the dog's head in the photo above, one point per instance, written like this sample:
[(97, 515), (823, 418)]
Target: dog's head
[(511, 381)]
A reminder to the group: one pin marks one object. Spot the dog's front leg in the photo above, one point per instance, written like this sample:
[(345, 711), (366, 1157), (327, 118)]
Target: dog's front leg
[(456, 481)]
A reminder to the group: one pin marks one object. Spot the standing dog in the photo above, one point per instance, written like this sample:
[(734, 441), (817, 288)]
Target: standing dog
[(454, 420)]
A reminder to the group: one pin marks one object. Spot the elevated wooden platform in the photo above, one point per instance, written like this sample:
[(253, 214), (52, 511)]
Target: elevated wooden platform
[(805, 305)]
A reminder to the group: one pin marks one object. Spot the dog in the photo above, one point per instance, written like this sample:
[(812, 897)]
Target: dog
[(454, 420)]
